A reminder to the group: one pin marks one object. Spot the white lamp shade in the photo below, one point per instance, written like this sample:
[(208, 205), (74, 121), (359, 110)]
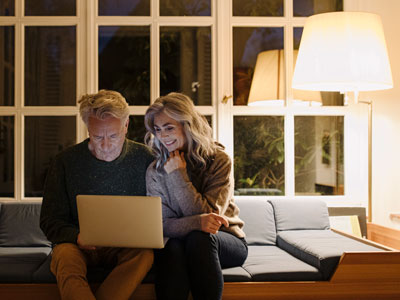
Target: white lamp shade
[(343, 51), (268, 84)]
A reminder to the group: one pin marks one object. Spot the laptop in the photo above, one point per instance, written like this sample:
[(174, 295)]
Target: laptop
[(120, 221)]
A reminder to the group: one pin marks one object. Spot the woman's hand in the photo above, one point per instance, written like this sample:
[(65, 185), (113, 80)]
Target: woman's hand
[(212, 222), (175, 161)]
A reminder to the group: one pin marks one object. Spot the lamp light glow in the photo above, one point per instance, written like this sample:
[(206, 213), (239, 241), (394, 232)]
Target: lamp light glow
[(343, 51)]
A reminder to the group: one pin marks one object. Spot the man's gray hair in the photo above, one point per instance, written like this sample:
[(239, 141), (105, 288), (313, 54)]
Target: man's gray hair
[(103, 104)]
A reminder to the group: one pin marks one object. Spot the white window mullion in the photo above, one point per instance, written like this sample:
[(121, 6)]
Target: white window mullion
[(18, 102), (288, 7), (154, 53), (214, 68), (289, 116), (289, 155), (288, 50), (93, 48), (224, 76), (81, 63), (19, 8)]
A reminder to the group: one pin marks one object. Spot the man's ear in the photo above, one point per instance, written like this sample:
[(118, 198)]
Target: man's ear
[(126, 125)]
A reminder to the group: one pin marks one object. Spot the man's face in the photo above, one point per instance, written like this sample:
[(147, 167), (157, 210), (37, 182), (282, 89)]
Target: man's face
[(106, 137)]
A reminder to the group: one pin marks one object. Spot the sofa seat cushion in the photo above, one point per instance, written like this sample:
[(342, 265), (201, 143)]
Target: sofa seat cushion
[(19, 264), (236, 274), (320, 248), (19, 225), (270, 263), (94, 275), (259, 221)]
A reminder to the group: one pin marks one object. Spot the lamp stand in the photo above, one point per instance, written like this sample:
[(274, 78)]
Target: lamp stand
[(369, 158)]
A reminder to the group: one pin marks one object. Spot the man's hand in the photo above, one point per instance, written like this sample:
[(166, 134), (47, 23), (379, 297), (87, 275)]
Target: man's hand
[(84, 247), (175, 161), (212, 222)]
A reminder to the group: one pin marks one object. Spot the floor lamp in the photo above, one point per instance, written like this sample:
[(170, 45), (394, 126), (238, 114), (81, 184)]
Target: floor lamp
[(344, 52)]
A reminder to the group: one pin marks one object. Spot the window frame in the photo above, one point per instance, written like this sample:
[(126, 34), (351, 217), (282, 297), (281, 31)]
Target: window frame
[(355, 121), (221, 22)]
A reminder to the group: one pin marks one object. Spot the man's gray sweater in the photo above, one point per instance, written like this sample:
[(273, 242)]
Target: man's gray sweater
[(77, 171)]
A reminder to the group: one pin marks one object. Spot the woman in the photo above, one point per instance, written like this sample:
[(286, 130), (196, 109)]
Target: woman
[(192, 175)]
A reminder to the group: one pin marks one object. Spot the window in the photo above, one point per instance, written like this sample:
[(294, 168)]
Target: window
[(277, 150), (40, 77), (52, 52)]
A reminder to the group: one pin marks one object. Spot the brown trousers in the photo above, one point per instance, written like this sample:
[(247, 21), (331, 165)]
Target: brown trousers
[(69, 265)]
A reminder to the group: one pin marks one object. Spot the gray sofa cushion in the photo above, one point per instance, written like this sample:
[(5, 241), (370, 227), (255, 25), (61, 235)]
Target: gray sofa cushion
[(320, 248), (300, 214), (237, 274), (19, 264), (94, 274), (43, 273), (19, 225), (259, 221), (270, 263)]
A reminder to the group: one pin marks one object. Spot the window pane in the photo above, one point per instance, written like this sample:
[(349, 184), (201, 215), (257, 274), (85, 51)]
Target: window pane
[(7, 8), (270, 8), (136, 129), (44, 138), (319, 168), (209, 120), (312, 97), (124, 62), (124, 7), (185, 7), (7, 156), (185, 59), (50, 65), (50, 8), (247, 44), (305, 8), (259, 155), (7, 66)]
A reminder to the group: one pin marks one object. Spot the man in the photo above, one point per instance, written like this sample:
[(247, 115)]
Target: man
[(105, 164)]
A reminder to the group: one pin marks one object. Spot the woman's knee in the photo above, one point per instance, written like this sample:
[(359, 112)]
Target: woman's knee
[(200, 241), (172, 254)]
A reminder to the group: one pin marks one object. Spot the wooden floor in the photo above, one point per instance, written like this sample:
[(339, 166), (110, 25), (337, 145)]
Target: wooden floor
[(235, 291)]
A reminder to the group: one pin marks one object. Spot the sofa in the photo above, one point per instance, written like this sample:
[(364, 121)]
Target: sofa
[(293, 253)]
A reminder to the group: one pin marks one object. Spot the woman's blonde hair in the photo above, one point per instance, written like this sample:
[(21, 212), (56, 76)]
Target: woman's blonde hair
[(103, 104), (200, 144)]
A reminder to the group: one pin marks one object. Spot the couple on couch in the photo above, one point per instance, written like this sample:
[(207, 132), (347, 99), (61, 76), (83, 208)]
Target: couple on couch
[(182, 164)]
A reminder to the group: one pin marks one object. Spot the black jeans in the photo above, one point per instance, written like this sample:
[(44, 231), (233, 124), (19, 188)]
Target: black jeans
[(194, 263)]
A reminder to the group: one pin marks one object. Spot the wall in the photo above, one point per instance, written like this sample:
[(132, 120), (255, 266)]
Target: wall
[(386, 118)]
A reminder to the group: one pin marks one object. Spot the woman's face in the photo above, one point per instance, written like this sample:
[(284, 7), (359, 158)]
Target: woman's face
[(169, 132)]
